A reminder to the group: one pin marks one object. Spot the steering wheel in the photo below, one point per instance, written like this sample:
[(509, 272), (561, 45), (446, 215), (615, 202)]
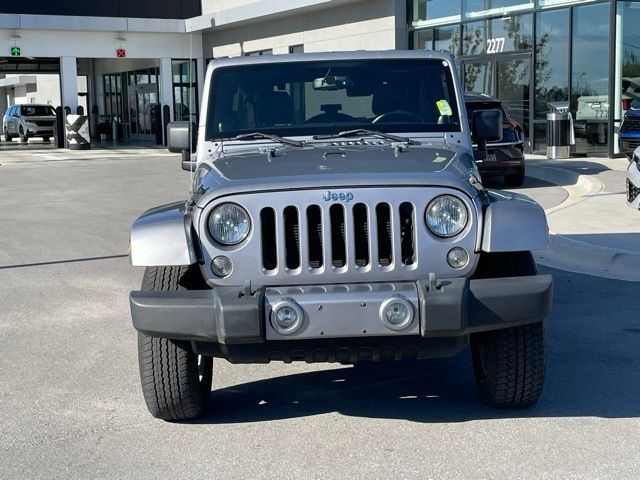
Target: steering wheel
[(397, 116)]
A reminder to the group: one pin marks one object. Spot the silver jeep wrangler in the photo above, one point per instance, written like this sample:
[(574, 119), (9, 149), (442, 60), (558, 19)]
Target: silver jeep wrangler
[(337, 215)]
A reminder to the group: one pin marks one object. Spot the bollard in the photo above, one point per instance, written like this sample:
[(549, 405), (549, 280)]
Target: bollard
[(60, 140), (114, 129), (157, 113), (166, 118)]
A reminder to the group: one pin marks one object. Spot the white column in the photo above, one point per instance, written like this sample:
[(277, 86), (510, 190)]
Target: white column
[(69, 83), (166, 85)]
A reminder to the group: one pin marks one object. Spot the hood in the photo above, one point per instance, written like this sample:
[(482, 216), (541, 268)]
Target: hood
[(633, 112), (333, 167)]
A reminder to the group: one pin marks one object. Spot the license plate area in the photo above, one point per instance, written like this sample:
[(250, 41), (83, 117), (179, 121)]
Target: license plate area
[(340, 311)]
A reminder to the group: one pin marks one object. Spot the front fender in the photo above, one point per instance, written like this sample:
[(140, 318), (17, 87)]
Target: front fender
[(162, 236), (514, 223)]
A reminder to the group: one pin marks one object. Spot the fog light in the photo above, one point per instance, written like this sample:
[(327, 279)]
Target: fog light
[(287, 316), (221, 266), (457, 257), (396, 313)]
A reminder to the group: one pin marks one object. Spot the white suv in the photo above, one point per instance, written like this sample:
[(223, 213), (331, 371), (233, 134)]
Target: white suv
[(27, 121)]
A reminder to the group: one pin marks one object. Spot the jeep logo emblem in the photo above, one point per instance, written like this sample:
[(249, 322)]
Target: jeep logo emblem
[(342, 197)]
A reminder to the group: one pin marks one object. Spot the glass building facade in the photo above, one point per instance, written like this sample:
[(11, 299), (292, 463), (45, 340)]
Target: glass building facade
[(540, 54)]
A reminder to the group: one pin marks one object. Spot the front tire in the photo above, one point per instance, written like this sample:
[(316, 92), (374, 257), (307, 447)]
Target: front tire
[(509, 364), (176, 382), (23, 136)]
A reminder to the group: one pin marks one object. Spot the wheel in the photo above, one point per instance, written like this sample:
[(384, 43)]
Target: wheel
[(7, 137), (176, 382), (46, 139), (509, 364), (23, 136), (514, 179)]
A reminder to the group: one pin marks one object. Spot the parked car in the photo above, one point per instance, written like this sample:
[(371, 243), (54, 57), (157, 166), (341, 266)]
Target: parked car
[(629, 138), (337, 215), (633, 180), (505, 157), (30, 120)]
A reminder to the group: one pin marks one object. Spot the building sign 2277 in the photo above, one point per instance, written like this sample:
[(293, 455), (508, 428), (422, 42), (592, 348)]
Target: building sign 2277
[(495, 45)]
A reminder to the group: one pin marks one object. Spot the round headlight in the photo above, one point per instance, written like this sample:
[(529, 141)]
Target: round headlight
[(446, 216), (229, 224)]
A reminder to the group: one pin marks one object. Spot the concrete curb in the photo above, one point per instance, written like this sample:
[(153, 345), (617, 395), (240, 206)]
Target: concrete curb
[(579, 187), (575, 256)]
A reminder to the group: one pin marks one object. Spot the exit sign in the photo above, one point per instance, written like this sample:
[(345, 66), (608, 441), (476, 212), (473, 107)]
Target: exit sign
[(15, 51), (121, 53)]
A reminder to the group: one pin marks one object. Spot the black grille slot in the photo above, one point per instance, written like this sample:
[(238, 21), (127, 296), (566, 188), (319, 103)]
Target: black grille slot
[(407, 240), (314, 234), (291, 238), (383, 215), (268, 229), (338, 246), (361, 234)]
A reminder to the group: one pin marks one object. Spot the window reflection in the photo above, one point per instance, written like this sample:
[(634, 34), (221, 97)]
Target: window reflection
[(479, 8), (590, 77), (435, 9), (498, 35), (552, 68)]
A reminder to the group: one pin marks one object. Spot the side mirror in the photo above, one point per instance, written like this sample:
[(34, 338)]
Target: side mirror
[(486, 126), (179, 140)]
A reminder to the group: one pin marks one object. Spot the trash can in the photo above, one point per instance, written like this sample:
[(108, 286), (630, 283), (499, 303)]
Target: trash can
[(77, 131), (560, 136)]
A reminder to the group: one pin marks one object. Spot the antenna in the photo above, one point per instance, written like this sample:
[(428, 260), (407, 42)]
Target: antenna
[(191, 106)]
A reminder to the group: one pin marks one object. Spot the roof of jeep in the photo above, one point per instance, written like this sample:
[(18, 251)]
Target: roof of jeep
[(323, 56)]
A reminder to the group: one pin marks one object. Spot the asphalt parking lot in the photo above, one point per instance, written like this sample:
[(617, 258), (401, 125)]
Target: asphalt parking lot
[(70, 394)]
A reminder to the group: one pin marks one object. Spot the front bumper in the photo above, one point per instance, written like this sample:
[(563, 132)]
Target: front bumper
[(37, 130), (503, 160), (633, 185), (230, 323)]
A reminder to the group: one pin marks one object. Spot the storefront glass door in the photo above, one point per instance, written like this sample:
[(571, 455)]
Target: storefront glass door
[(142, 102), (507, 78)]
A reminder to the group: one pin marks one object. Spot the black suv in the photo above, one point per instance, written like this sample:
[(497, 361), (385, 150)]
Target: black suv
[(506, 157)]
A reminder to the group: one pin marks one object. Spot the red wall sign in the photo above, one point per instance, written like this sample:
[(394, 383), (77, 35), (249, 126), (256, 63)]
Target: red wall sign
[(121, 53)]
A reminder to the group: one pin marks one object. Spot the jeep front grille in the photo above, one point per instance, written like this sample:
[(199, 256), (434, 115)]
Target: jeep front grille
[(340, 236), (299, 237)]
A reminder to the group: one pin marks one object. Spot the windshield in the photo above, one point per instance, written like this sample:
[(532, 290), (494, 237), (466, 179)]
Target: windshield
[(322, 97), (36, 110)]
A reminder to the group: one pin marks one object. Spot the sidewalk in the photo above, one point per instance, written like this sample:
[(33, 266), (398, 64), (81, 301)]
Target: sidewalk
[(593, 231), (39, 152)]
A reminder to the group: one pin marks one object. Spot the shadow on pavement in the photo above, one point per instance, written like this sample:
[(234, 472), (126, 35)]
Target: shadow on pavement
[(593, 369), (34, 144), (581, 167)]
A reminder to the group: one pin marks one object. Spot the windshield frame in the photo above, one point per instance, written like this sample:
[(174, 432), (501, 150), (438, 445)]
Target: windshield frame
[(212, 134)]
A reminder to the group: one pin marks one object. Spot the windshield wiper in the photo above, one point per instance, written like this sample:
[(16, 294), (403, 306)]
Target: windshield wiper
[(266, 136), (364, 131)]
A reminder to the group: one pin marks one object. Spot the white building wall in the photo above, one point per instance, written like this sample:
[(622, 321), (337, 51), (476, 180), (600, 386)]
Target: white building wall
[(356, 25), (88, 44)]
